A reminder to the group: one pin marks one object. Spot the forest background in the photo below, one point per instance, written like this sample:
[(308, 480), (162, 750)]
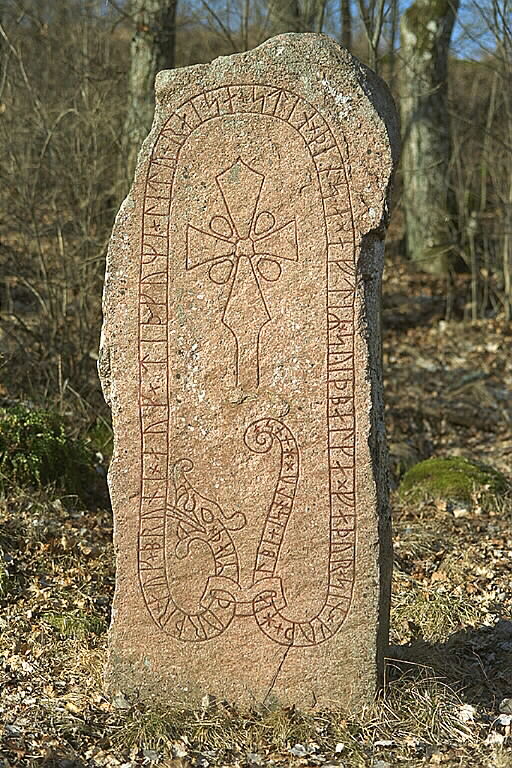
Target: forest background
[(76, 80), (75, 103)]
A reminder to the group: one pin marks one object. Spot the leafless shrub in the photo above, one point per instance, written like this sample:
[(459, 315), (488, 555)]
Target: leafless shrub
[(482, 155), (59, 122)]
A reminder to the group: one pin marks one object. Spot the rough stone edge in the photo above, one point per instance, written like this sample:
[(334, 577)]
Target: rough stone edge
[(370, 269)]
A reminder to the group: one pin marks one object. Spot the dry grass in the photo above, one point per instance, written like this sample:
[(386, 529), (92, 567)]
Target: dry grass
[(450, 662), (52, 649), (432, 611)]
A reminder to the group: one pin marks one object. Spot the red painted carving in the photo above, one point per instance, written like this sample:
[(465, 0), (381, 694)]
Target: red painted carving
[(241, 245)]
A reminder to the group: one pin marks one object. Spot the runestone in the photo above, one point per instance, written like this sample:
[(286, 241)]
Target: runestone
[(240, 356)]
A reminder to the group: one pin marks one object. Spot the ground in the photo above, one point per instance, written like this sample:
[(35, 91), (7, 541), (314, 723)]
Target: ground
[(448, 386)]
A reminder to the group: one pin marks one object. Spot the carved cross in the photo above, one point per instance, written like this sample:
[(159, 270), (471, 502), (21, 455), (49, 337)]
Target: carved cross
[(243, 246)]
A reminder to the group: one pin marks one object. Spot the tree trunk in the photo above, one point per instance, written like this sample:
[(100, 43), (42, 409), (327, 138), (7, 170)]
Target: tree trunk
[(426, 29), (393, 32), (346, 24), (312, 15), (152, 49), (284, 16)]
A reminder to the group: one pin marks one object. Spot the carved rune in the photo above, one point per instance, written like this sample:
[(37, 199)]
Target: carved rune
[(242, 247)]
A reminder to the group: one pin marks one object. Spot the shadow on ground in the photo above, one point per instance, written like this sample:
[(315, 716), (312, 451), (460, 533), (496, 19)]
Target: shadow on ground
[(475, 662)]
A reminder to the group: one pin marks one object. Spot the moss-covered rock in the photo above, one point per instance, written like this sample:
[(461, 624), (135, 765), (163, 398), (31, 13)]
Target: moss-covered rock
[(35, 450), (454, 479)]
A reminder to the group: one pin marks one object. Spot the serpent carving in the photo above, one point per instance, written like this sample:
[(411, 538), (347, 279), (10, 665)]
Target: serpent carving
[(198, 519), (269, 606)]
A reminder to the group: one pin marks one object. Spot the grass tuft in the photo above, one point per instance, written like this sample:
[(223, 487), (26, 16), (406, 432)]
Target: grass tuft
[(4, 576), (417, 711), (431, 610), (75, 624), (419, 707)]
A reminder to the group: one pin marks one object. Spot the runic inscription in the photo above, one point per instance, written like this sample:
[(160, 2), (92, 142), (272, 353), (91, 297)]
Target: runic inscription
[(242, 246), (240, 356)]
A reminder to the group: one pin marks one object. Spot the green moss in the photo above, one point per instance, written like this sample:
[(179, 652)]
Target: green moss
[(76, 624), (453, 478), (36, 451)]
